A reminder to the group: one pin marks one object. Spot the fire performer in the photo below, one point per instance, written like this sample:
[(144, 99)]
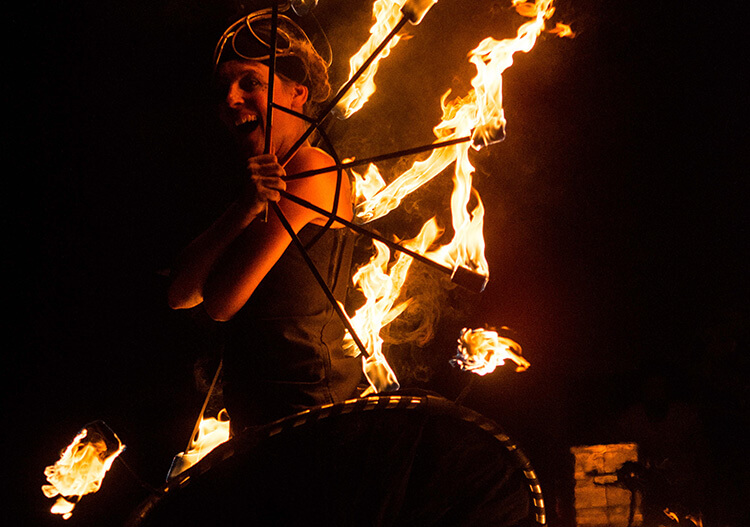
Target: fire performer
[(284, 348), (283, 351)]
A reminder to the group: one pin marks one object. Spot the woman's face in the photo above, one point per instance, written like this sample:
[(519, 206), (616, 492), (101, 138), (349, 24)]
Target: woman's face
[(243, 107)]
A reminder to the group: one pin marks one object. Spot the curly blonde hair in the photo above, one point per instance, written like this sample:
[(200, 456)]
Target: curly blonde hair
[(304, 65)]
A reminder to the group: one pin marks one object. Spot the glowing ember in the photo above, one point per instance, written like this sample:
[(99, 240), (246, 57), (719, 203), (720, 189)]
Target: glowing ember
[(81, 467), (480, 351), (212, 432), (562, 30)]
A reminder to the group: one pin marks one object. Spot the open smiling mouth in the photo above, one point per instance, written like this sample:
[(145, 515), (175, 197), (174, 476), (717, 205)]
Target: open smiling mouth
[(247, 124)]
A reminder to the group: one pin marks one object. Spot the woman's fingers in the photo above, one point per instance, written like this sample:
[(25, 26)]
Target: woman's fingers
[(264, 183), (265, 165), (271, 182), (267, 187)]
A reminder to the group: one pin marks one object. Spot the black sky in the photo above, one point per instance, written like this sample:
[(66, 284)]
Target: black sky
[(616, 209)]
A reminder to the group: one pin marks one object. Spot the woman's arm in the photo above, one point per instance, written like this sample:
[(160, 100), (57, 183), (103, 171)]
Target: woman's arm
[(195, 262), (248, 257)]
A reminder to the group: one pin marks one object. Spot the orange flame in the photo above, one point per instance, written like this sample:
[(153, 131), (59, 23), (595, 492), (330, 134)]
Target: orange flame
[(562, 30), (80, 469), (480, 351), (368, 184), (381, 281), (212, 432), (478, 115), (527, 9), (387, 14)]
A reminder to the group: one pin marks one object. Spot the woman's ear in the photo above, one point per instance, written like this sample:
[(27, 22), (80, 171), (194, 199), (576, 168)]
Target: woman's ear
[(299, 96)]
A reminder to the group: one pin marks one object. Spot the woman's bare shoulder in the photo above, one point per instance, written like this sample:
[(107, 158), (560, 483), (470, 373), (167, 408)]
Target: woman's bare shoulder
[(309, 158), (319, 188)]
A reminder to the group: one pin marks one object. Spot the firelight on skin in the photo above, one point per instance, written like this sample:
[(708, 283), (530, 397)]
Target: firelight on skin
[(245, 103), (224, 279)]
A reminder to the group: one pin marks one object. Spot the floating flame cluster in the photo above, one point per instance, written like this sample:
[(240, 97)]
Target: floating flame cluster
[(480, 351), (212, 431), (81, 467), (478, 115), (562, 30)]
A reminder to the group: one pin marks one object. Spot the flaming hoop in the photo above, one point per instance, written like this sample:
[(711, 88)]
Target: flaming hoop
[(207, 491)]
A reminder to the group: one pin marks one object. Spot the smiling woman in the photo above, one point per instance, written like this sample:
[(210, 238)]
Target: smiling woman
[(283, 351), (243, 108)]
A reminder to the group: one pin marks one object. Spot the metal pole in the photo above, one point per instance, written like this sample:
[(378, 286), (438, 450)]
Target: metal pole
[(462, 276), (324, 113), (271, 77), (378, 158), (321, 281), (279, 213)]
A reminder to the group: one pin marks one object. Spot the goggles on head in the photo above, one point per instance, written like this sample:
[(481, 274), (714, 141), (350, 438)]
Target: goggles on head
[(250, 38), (298, 58)]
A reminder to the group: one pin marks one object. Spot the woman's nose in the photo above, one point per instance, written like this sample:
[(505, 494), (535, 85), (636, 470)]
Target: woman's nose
[(235, 95)]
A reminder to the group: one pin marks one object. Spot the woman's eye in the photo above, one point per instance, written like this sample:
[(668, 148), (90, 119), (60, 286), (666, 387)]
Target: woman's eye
[(251, 83)]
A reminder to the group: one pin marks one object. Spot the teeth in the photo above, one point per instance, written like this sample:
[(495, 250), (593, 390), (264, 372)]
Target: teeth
[(246, 119)]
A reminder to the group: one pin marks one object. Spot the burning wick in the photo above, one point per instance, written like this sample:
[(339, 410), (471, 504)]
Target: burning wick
[(480, 351), (81, 467), (211, 432), (468, 279)]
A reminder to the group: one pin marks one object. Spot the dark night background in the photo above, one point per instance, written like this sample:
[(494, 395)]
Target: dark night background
[(616, 224)]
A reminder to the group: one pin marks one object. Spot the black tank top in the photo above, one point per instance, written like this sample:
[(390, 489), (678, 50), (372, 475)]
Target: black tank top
[(283, 351)]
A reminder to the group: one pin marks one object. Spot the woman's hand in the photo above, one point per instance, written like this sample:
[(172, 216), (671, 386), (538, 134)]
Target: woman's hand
[(264, 183)]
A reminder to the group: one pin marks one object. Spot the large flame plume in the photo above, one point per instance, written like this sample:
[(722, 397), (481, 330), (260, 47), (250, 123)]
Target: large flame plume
[(478, 115), (81, 467), (381, 281)]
